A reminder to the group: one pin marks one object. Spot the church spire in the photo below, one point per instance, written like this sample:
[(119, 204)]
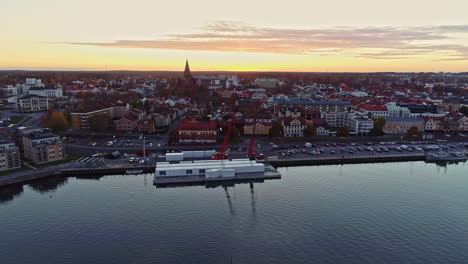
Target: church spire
[(187, 73)]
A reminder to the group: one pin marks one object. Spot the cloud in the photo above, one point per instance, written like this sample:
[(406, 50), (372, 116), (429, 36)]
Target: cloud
[(366, 42)]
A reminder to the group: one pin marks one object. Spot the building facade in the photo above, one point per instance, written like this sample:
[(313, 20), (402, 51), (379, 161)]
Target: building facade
[(400, 125), (42, 147), (197, 132), (32, 103), (294, 127), (81, 120), (9, 155)]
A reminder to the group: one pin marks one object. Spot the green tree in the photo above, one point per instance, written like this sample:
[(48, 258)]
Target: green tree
[(310, 131), (413, 131), (277, 130), (342, 131)]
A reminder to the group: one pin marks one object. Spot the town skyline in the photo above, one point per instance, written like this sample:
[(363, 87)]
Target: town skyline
[(297, 36)]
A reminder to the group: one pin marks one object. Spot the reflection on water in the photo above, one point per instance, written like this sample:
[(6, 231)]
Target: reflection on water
[(351, 214), (11, 192), (48, 184)]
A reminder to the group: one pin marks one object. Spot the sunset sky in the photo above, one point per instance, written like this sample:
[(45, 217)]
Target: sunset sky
[(253, 35)]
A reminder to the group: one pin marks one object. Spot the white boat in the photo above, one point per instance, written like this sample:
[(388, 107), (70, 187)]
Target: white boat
[(212, 170)]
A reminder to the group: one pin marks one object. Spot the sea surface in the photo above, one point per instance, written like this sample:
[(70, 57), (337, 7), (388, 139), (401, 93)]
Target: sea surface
[(366, 213)]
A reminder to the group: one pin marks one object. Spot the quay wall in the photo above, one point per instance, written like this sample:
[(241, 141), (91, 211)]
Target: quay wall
[(34, 175)]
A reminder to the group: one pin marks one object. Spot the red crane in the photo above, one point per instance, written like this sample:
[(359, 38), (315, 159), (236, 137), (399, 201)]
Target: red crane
[(221, 154)]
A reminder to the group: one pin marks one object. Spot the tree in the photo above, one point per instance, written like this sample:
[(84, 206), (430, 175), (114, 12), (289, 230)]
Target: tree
[(310, 131), (413, 131), (57, 121), (342, 131), (464, 110), (377, 130), (277, 130)]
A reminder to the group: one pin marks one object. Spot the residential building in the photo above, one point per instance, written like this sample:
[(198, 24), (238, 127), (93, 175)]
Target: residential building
[(262, 128), (294, 127), (9, 155), (322, 132), (400, 125), (374, 110), (146, 126), (42, 146), (433, 124), (32, 103), (462, 123), (81, 119), (336, 119), (360, 124), (127, 123)]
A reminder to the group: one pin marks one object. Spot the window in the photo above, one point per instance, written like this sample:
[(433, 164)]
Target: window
[(162, 173), (202, 171), (188, 172)]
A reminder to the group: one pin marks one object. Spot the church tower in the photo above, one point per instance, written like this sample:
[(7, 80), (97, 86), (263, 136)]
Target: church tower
[(187, 73)]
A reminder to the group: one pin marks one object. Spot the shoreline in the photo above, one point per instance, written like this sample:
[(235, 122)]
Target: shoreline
[(28, 176)]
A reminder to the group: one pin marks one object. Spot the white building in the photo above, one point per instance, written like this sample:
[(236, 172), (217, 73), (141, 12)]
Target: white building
[(294, 127), (32, 103), (30, 82), (48, 91), (395, 110), (360, 124), (267, 83)]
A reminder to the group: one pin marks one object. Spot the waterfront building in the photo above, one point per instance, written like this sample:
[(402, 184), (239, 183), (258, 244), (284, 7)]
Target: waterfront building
[(360, 124), (400, 125), (261, 127), (42, 146), (9, 155), (433, 124), (294, 127), (202, 132), (32, 103)]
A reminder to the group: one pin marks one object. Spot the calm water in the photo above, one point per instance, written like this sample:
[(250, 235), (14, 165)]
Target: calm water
[(375, 213)]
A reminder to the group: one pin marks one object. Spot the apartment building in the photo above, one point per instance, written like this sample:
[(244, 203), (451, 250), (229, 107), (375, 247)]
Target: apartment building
[(9, 155), (42, 146)]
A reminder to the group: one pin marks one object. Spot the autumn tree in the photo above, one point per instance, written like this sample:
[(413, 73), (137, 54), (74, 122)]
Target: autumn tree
[(277, 130), (342, 131), (377, 130), (310, 131), (413, 131), (57, 121)]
